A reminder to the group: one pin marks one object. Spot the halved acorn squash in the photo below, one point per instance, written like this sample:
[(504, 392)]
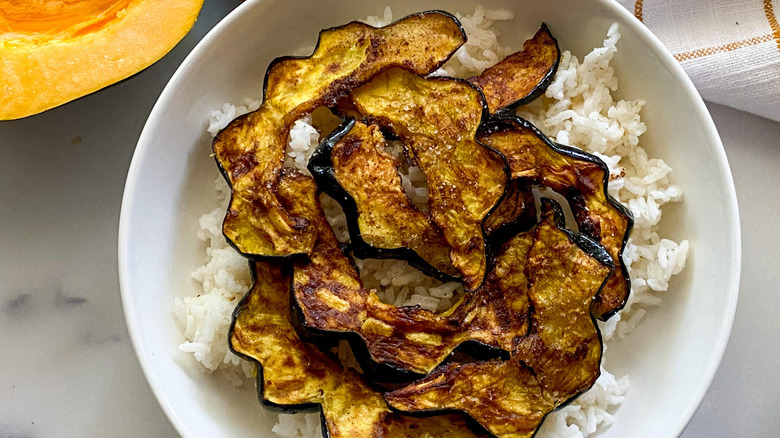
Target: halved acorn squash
[(54, 52)]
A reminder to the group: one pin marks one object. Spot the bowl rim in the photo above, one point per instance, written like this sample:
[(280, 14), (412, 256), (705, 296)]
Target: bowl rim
[(144, 144)]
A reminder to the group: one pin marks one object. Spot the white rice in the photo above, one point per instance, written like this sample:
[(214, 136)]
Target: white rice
[(578, 109), (205, 318)]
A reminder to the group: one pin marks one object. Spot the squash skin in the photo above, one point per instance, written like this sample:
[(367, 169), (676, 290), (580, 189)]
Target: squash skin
[(43, 75)]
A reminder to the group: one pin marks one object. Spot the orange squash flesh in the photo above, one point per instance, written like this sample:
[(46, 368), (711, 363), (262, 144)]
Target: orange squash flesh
[(55, 51)]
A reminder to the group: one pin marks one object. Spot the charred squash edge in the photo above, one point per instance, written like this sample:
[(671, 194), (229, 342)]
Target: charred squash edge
[(502, 122), (590, 247), (224, 172)]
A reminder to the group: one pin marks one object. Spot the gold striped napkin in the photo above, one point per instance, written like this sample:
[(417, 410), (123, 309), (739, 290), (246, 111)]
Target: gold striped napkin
[(729, 48)]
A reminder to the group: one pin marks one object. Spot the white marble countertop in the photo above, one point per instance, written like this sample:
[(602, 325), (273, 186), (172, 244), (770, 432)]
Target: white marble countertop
[(68, 368)]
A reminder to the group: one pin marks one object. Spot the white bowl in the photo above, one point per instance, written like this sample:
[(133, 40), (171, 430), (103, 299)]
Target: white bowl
[(671, 357)]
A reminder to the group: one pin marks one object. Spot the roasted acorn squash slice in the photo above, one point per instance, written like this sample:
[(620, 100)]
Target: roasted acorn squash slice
[(557, 360), (523, 76), (293, 375), (582, 179), (52, 53), (437, 120), (566, 271), (352, 166), (250, 151), (504, 397)]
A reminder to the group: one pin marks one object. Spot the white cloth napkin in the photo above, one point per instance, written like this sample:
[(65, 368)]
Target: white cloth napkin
[(729, 48)]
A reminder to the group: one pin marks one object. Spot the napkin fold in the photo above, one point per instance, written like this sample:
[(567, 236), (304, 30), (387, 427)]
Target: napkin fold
[(729, 48)]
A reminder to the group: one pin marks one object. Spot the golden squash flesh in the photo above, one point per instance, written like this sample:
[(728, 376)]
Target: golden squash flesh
[(52, 52)]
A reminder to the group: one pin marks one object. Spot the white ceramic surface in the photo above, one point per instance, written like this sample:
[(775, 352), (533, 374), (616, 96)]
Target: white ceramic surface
[(671, 358)]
